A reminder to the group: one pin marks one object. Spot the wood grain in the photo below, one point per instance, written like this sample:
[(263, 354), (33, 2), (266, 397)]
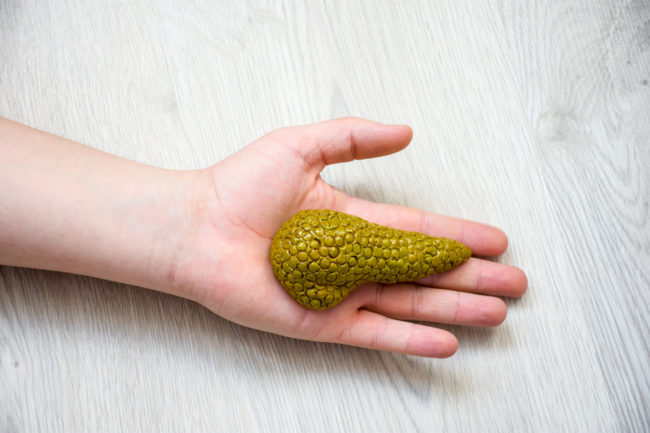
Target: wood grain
[(533, 116)]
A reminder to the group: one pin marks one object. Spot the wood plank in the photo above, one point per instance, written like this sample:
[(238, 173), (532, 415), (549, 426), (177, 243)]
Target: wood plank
[(530, 116)]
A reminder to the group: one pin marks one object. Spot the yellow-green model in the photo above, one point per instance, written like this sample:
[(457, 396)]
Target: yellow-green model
[(320, 256)]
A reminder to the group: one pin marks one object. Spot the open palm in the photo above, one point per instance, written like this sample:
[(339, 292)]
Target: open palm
[(246, 197)]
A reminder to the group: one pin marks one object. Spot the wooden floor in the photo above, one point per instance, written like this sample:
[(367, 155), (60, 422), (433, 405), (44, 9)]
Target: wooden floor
[(530, 115)]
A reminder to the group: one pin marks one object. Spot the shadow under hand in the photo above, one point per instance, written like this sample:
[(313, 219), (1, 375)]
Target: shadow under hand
[(111, 327)]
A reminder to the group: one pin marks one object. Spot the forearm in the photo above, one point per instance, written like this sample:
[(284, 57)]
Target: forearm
[(70, 208)]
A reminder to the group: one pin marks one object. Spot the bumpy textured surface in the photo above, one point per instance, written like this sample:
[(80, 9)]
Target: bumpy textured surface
[(320, 256)]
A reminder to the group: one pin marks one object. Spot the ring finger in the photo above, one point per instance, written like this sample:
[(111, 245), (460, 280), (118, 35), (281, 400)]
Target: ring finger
[(414, 302)]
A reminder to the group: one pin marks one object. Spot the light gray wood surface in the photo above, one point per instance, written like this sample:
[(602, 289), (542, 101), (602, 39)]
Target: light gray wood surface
[(532, 116)]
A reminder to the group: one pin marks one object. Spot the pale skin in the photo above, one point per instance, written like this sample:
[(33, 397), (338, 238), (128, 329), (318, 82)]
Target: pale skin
[(205, 234)]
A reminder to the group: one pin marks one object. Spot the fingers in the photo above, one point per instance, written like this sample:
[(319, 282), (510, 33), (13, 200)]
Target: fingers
[(481, 276), (480, 238), (374, 331), (413, 302), (342, 140)]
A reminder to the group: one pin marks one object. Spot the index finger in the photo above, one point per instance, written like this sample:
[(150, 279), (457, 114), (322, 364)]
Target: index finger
[(481, 238)]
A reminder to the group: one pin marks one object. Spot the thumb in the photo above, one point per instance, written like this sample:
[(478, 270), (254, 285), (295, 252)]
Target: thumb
[(345, 139)]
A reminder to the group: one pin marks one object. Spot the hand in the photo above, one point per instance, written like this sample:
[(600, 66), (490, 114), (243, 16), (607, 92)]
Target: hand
[(206, 234), (244, 199)]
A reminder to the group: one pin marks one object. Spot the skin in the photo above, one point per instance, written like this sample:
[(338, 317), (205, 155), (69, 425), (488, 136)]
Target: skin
[(205, 234)]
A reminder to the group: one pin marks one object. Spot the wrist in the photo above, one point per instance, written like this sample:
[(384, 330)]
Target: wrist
[(151, 225)]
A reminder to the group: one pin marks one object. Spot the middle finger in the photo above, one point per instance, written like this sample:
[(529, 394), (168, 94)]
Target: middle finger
[(481, 276)]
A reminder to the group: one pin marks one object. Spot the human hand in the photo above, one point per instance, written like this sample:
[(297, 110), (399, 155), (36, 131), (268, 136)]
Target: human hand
[(241, 202), (205, 234)]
